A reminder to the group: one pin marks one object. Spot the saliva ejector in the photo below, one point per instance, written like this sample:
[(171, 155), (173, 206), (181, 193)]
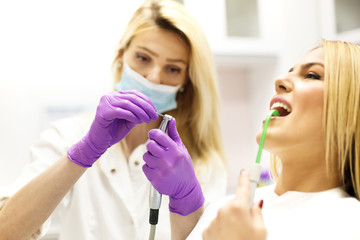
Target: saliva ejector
[(255, 169), (155, 196)]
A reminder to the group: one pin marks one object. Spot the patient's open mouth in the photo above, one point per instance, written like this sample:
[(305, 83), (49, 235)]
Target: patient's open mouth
[(282, 108)]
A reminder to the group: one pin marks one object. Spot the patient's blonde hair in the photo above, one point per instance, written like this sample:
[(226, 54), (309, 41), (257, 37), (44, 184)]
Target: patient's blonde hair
[(341, 114), (198, 105)]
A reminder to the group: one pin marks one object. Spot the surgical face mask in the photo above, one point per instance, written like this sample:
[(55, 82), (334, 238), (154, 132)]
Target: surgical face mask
[(162, 96)]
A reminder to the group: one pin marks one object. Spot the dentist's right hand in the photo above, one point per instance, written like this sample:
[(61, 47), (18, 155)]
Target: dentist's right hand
[(116, 114), (170, 170)]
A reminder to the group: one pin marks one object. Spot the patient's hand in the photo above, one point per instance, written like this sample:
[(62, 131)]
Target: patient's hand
[(236, 220)]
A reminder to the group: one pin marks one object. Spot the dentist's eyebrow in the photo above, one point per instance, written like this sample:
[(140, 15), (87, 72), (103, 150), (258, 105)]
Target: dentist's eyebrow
[(157, 55), (176, 61), (148, 50)]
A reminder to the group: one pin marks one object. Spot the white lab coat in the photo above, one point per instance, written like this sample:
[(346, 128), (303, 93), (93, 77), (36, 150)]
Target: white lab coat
[(111, 200), (330, 214)]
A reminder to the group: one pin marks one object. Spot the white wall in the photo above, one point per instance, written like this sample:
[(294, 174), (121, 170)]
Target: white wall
[(54, 56)]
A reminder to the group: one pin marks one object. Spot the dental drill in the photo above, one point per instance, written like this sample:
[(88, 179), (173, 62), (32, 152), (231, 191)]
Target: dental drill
[(155, 196), (255, 169)]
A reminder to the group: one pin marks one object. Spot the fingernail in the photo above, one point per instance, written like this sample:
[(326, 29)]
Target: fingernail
[(242, 171), (261, 203)]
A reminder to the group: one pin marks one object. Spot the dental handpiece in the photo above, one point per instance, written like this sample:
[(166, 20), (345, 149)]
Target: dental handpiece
[(255, 169), (155, 196)]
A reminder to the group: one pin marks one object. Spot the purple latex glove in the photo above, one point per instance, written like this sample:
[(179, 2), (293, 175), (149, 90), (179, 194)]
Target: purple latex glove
[(116, 114), (170, 170)]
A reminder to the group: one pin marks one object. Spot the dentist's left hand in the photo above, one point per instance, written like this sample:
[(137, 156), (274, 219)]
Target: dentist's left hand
[(116, 114), (170, 170)]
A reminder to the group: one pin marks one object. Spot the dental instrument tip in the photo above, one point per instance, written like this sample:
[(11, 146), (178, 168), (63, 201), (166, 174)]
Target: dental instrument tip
[(161, 115)]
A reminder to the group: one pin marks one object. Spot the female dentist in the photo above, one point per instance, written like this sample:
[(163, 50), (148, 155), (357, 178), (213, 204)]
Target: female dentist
[(89, 167)]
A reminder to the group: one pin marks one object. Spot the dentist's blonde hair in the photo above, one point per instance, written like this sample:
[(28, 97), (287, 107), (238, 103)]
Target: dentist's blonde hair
[(341, 114), (198, 104)]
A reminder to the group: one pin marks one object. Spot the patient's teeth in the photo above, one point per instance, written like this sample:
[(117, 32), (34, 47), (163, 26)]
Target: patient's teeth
[(279, 104)]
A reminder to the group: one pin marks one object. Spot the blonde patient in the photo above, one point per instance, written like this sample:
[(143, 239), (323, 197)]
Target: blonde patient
[(315, 147)]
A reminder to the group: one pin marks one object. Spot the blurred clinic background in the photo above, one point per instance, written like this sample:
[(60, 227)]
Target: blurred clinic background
[(55, 59)]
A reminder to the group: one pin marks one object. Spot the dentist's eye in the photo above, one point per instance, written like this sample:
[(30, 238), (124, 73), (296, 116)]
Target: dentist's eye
[(313, 76), (141, 57), (173, 70)]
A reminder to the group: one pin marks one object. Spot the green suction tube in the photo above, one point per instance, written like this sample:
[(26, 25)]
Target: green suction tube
[(263, 135), (255, 170)]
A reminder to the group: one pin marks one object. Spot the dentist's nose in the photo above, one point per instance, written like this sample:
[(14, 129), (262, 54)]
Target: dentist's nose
[(283, 84), (153, 75)]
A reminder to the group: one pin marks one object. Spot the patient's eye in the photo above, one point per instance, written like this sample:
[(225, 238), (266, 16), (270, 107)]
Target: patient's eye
[(313, 75)]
